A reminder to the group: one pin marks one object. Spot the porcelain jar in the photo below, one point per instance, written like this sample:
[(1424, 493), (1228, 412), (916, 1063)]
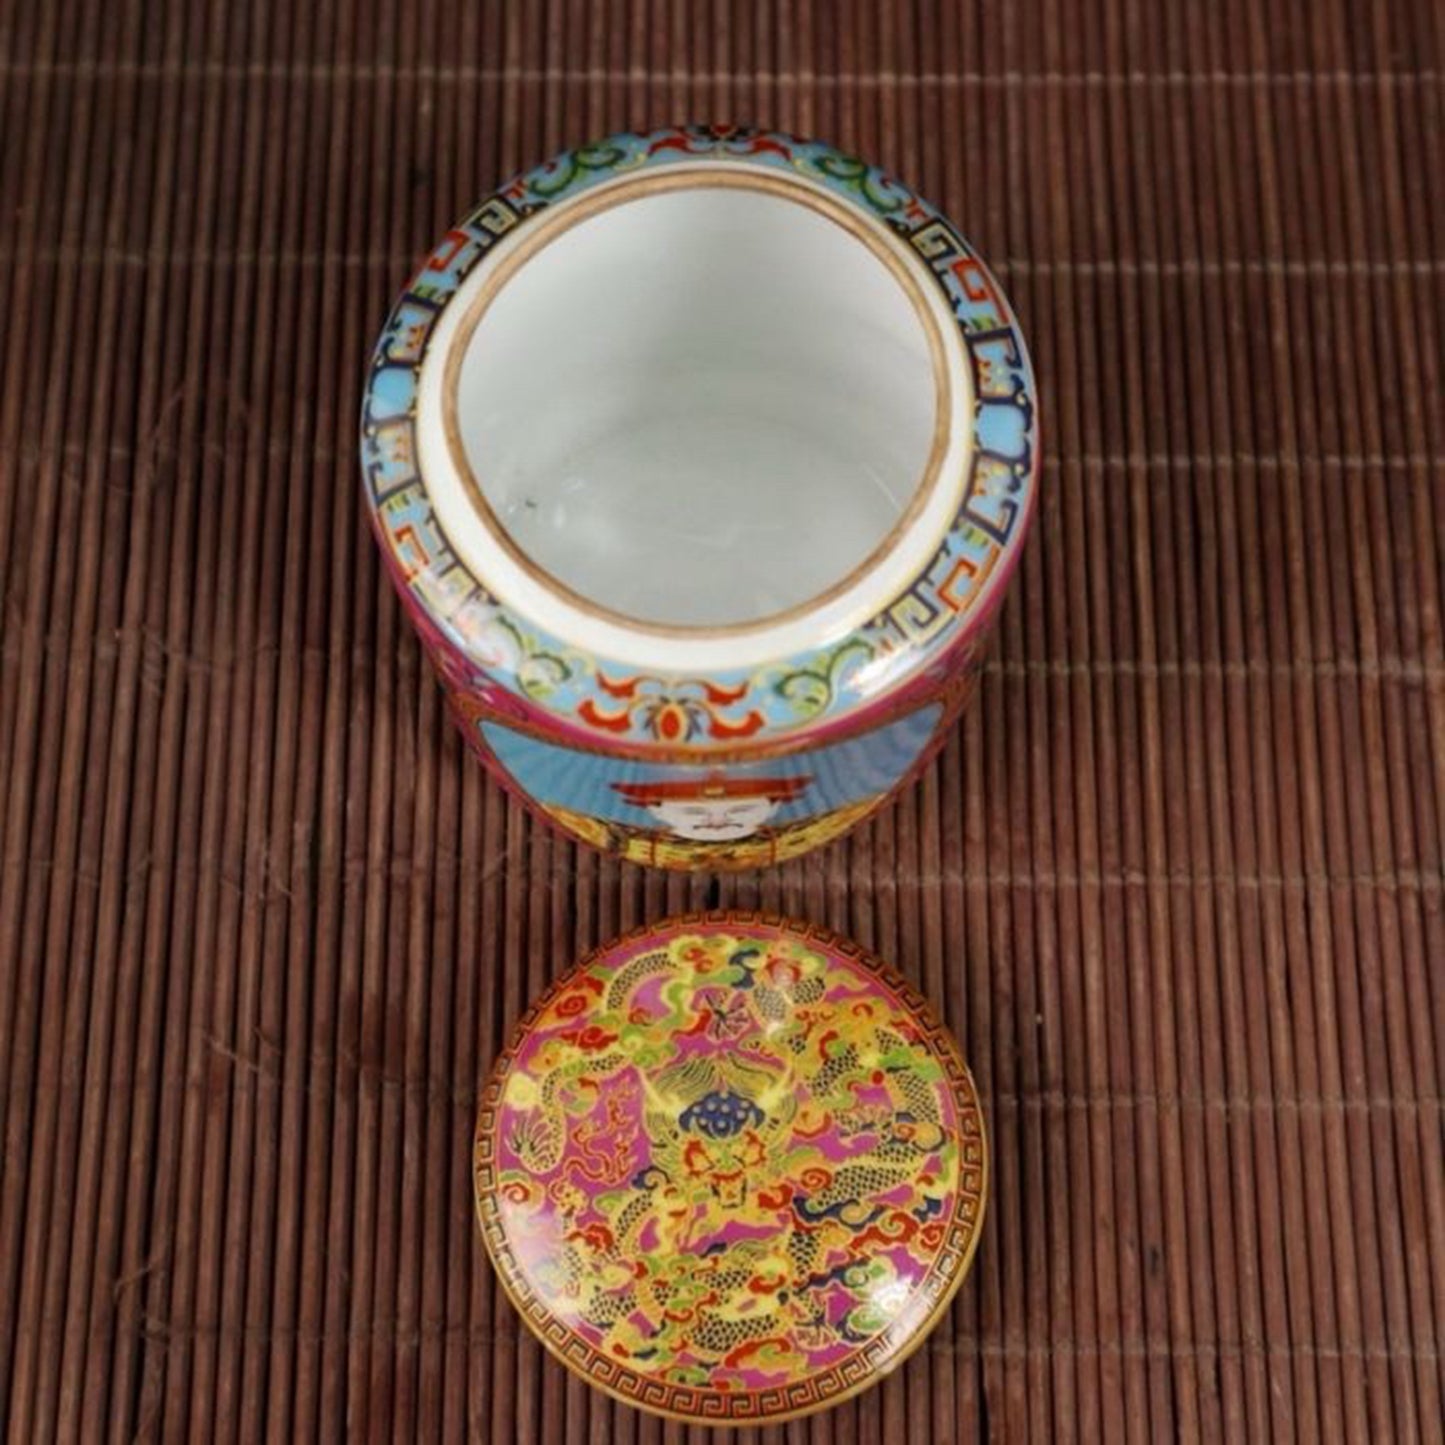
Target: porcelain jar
[(700, 460)]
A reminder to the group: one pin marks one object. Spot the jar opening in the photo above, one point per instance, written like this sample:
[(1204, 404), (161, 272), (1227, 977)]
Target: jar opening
[(705, 400)]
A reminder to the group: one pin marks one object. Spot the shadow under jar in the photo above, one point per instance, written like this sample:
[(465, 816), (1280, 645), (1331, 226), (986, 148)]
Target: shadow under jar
[(700, 460)]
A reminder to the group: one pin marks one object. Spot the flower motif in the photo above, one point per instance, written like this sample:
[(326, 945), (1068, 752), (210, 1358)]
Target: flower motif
[(722, 1013), (672, 710)]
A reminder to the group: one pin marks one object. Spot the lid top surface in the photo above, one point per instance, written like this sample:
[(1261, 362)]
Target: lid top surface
[(731, 1168), (502, 630)]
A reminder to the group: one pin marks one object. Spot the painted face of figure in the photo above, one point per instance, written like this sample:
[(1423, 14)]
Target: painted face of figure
[(713, 820)]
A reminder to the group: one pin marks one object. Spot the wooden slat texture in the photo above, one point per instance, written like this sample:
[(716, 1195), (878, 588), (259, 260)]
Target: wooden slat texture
[(1176, 883)]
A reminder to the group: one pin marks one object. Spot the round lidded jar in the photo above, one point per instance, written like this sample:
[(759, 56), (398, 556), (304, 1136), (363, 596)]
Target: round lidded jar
[(700, 460), (731, 1169)]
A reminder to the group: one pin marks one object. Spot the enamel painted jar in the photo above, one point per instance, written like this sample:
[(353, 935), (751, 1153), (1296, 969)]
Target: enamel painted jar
[(700, 460)]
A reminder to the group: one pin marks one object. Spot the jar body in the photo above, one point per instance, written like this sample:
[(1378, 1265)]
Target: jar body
[(548, 409), (727, 810)]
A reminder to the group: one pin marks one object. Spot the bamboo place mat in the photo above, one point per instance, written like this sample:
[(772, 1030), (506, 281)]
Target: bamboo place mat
[(1176, 883)]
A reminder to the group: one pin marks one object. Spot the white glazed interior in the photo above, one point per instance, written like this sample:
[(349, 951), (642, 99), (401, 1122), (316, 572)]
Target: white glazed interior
[(697, 408)]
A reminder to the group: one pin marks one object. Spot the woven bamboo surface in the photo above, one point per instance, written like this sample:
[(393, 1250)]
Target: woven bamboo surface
[(1176, 883)]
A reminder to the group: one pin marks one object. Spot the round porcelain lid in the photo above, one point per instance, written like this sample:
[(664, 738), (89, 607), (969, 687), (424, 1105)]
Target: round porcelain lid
[(731, 1168), (885, 633)]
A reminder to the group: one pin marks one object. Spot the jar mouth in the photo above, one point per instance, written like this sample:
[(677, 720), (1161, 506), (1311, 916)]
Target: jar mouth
[(712, 409)]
